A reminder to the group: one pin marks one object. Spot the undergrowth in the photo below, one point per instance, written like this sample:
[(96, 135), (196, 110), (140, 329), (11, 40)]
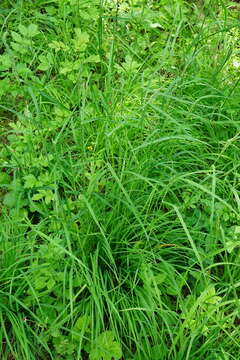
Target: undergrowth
[(119, 180)]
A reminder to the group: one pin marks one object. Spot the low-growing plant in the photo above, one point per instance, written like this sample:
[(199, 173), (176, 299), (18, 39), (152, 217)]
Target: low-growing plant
[(119, 204)]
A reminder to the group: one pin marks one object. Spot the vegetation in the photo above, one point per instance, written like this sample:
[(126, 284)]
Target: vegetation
[(119, 180)]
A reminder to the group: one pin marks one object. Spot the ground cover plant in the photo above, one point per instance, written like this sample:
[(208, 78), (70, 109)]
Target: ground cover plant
[(119, 180)]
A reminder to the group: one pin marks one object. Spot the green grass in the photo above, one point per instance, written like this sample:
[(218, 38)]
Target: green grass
[(119, 180)]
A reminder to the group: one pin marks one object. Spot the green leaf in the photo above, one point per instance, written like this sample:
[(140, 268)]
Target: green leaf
[(210, 297), (44, 66), (46, 62), (38, 196), (51, 283), (32, 30), (63, 345), (23, 30), (5, 86), (40, 282), (160, 278), (237, 230), (81, 40), (58, 45), (49, 196), (11, 199), (231, 245), (66, 67), (55, 332), (5, 62), (22, 69), (16, 37), (82, 323), (18, 48), (130, 65), (30, 181), (4, 178), (92, 59), (18, 214), (106, 348)]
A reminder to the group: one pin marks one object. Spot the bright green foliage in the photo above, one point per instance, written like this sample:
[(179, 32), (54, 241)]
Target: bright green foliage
[(105, 348), (119, 180)]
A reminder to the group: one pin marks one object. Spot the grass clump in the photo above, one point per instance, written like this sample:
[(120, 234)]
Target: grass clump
[(119, 180)]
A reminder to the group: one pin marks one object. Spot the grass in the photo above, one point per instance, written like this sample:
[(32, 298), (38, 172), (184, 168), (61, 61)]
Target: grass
[(119, 180)]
